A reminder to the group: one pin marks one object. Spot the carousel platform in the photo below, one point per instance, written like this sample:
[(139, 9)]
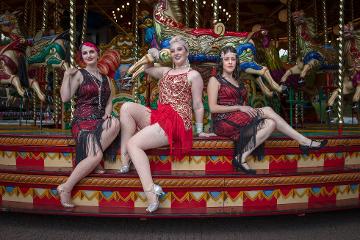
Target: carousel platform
[(33, 162)]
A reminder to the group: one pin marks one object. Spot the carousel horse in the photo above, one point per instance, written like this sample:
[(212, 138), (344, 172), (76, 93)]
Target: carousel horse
[(312, 54), (13, 65), (204, 44), (352, 65), (50, 53)]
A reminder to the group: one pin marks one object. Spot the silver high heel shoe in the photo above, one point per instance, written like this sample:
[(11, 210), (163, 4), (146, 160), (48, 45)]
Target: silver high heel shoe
[(157, 190), (124, 168)]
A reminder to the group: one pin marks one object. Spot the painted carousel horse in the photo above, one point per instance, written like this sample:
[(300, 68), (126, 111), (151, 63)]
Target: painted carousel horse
[(312, 54), (204, 44), (13, 65), (352, 65)]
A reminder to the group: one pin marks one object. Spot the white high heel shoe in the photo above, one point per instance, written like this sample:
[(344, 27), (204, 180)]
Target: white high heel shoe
[(157, 190)]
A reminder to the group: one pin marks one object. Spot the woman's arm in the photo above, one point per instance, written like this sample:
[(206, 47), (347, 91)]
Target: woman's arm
[(155, 72), (71, 82), (197, 86), (212, 90), (109, 106)]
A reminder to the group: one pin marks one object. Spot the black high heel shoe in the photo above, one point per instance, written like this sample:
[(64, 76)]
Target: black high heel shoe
[(240, 166), (305, 149)]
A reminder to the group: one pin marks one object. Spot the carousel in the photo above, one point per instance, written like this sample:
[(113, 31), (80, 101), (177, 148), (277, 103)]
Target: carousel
[(318, 96)]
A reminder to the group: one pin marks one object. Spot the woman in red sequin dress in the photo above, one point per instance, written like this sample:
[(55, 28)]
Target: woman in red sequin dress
[(170, 124), (248, 127), (93, 127)]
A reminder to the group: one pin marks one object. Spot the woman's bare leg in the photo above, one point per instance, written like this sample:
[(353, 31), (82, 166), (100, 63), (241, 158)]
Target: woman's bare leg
[(87, 165), (283, 127), (133, 116), (261, 135), (152, 136)]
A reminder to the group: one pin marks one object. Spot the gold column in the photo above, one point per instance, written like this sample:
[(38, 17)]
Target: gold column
[(237, 26), (72, 43), (197, 20), (84, 23), (324, 21), (289, 31), (341, 62), (216, 11), (44, 15), (186, 12), (136, 30)]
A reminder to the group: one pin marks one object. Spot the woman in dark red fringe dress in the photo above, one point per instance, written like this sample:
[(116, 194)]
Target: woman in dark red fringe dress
[(170, 124), (93, 127), (248, 127)]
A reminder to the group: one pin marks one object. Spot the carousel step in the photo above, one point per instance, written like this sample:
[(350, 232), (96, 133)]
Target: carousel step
[(286, 161), (112, 173), (120, 212)]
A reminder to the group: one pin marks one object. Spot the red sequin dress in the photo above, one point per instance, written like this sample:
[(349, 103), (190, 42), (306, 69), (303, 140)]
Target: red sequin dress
[(87, 124), (174, 112), (237, 125)]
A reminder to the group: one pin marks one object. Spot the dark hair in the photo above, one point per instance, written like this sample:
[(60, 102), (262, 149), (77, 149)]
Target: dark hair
[(225, 50)]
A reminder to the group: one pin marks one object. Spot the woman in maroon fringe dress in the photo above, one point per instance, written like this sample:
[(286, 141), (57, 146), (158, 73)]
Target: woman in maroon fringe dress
[(93, 127), (248, 127)]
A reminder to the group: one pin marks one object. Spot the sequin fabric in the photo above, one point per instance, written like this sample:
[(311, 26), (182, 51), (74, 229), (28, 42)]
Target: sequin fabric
[(175, 90)]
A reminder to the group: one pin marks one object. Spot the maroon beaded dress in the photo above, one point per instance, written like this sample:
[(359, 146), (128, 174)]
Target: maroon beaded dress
[(174, 112), (237, 125), (87, 125)]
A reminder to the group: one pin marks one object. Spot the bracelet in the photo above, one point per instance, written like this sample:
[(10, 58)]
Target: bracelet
[(199, 128)]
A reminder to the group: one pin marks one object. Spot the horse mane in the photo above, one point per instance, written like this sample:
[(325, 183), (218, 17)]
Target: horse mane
[(176, 10), (310, 24)]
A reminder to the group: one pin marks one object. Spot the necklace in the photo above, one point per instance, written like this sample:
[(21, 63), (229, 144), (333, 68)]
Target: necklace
[(95, 79)]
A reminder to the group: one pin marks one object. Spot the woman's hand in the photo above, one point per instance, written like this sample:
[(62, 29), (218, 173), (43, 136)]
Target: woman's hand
[(154, 52), (249, 110), (106, 116), (71, 71), (204, 134)]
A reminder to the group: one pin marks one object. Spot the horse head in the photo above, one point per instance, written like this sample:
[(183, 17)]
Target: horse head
[(298, 17), (9, 23)]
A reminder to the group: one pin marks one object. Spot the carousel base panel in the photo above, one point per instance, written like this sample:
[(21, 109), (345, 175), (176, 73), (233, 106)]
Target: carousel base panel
[(203, 184)]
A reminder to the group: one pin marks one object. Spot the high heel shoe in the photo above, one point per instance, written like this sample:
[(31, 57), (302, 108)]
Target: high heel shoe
[(305, 149), (157, 190), (99, 170), (61, 192), (242, 166), (126, 167)]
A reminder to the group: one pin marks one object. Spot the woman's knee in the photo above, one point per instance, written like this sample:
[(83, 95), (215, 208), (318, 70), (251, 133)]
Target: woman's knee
[(125, 108), (271, 124), (267, 110)]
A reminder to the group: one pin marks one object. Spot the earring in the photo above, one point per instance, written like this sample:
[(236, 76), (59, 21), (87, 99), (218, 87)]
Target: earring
[(187, 62)]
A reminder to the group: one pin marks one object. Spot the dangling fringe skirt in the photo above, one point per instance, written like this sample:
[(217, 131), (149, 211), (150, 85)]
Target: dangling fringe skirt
[(180, 139), (244, 134), (88, 133)]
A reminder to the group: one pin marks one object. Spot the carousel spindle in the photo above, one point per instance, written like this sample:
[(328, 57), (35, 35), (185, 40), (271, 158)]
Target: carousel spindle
[(197, 19), (84, 23), (44, 15), (324, 21), (341, 65), (72, 42)]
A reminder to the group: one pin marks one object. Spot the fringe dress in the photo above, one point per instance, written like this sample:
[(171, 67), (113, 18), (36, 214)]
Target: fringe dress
[(87, 122), (237, 125), (174, 112)]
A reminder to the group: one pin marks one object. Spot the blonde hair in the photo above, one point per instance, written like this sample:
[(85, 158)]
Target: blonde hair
[(180, 40)]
